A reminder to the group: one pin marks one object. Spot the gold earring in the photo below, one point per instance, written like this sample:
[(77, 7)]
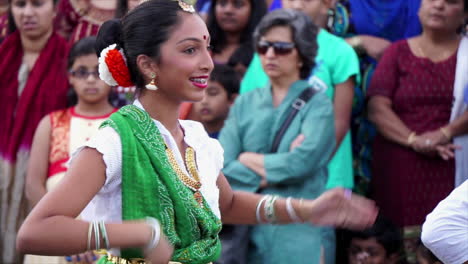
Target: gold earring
[(152, 85)]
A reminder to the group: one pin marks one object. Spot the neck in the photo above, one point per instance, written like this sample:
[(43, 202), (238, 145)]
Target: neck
[(233, 38), (35, 45), (213, 126), (96, 109), (162, 108), (439, 37), (280, 87)]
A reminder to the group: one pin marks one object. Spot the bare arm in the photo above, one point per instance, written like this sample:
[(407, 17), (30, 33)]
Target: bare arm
[(38, 163), (386, 121), (53, 221), (342, 105), (333, 208)]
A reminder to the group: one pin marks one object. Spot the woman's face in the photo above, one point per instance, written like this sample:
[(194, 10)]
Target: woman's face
[(367, 251), (279, 64), (33, 18), (446, 15), (84, 78), (185, 64), (233, 15)]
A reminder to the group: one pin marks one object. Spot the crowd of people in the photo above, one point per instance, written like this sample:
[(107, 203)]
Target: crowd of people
[(233, 131)]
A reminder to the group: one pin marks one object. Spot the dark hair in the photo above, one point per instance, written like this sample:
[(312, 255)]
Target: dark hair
[(384, 231), (11, 20), (83, 47), (218, 36), (304, 33), (242, 55), (142, 31), (227, 77), (121, 9)]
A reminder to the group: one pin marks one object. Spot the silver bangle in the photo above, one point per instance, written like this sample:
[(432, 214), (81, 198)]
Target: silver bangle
[(156, 234), (270, 210), (291, 212), (259, 205), (104, 234), (90, 234), (97, 235)]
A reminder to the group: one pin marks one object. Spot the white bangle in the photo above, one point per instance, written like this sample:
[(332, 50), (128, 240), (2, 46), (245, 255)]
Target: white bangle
[(291, 212), (156, 233), (259, 205), (97, 237)]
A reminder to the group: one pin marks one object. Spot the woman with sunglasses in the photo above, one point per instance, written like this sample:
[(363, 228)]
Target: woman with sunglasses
[(286, 43)]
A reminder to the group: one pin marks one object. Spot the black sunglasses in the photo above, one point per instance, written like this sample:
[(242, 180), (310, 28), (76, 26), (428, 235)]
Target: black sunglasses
[(280, 48)]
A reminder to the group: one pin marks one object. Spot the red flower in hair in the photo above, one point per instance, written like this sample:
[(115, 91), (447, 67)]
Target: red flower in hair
[(118, 68)]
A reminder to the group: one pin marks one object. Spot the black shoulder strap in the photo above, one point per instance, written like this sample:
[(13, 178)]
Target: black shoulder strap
[(297, 105)]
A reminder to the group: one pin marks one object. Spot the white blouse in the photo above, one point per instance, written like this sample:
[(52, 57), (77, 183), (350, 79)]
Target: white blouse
[(107, 204)]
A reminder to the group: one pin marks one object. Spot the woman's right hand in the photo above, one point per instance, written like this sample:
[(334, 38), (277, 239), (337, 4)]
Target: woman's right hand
[(161, 254)]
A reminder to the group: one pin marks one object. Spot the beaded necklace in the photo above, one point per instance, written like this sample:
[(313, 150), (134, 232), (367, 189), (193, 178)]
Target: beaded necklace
[(193, 183)]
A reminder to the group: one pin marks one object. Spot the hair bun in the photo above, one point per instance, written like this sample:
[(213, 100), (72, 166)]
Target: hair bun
[(109, 33)]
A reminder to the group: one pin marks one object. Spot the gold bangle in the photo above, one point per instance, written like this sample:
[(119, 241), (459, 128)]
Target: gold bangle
[(446, 133), (411, 138)]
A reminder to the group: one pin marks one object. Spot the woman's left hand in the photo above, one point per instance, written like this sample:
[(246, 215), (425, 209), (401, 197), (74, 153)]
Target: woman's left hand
[(340, 208)]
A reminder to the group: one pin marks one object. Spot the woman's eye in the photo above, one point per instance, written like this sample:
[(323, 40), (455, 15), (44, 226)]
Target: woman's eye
[(209, 48), (189, 50)]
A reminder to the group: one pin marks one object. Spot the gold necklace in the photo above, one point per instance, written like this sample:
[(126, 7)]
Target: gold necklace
[(193, 183)]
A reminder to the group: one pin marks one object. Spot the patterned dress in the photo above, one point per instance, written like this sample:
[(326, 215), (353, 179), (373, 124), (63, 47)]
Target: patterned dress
[(408, 185), (69, 131)]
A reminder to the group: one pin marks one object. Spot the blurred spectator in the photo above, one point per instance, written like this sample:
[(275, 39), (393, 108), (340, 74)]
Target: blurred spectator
[(222, 90), (34, 82), (370, 26), (411, 96), (77, 19), (380, 244), (336, 72), (241, 59), (445, 229), (286, 42), (63, 131), (231, 23), (3, 6)]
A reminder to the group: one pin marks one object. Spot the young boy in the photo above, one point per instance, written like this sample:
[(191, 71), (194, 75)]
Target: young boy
[(380, 244), (222, 90)]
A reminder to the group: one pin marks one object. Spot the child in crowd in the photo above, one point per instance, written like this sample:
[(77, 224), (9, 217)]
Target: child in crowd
[(62, 131), (380, 244), (222, 90)]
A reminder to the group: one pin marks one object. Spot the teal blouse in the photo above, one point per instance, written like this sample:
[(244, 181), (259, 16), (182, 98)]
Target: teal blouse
[(251, 126)]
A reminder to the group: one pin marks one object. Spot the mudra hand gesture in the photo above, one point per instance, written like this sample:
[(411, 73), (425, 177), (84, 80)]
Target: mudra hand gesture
[(340, 208)]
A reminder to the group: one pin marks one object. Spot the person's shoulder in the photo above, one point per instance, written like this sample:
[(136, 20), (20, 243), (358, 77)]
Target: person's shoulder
[(326, 38)]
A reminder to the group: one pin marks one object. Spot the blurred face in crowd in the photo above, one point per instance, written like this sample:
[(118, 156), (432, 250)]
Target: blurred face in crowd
[(277, 53), (33, 18), (445, 15), (215, 104), (311, 7), (84, 78), (368, 251), (233, 15)]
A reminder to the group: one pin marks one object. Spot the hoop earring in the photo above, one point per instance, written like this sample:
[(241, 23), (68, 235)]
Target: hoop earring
[(152, 85)]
